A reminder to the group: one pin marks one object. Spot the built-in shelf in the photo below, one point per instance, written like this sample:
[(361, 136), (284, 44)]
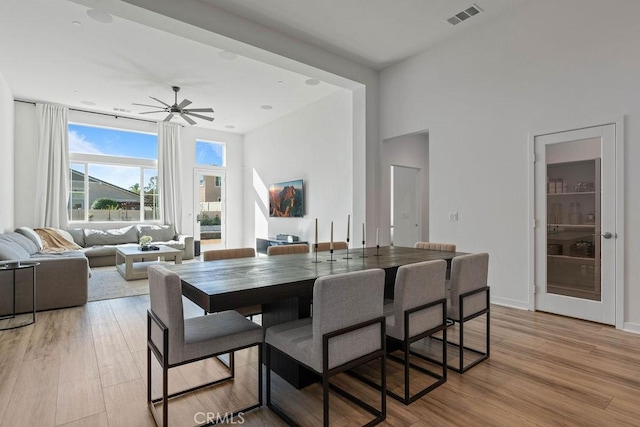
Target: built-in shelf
[(575, 193), (572, 258), (572, 225)]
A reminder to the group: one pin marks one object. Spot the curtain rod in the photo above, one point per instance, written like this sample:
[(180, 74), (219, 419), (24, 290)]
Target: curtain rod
[(93, 112)]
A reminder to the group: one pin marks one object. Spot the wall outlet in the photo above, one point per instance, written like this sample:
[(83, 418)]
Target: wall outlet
[(453, 216)]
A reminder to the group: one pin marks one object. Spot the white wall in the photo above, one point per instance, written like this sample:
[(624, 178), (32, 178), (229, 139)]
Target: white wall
[(409, 151), (314, 144), (6, 160), (26, 150), (546, 66)]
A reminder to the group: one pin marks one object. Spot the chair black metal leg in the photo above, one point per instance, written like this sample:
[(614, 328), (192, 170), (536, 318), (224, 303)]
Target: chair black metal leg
[(461, 352), (260, 348), (325, 400), (165, 393), (267, 350)]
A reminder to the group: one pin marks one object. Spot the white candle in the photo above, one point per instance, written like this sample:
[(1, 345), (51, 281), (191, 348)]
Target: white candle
[(348, 225), (377, 237), (331, 241), (363, 233), (316, 230)]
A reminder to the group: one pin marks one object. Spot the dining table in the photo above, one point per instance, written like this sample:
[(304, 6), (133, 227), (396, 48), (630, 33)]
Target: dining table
[(283, 285)]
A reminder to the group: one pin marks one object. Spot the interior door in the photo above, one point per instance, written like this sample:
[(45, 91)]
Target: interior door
[(405, 205), (575, 251), (210, 215)]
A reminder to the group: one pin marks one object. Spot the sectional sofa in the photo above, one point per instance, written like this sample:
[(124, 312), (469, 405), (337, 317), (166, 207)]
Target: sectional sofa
[(63, 278)]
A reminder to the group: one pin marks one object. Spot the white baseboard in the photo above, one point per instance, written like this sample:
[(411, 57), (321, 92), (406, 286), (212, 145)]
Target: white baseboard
[(522, 305), (634, 328)]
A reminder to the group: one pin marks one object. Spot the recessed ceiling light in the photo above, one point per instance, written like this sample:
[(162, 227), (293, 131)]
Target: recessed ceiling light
[(230, 127), (87, 103), (266, 107), (78, 23), (312, 82), (100, 16), (227, 55)]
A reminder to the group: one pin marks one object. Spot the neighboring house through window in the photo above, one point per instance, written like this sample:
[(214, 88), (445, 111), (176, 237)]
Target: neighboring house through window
[(113, 175)]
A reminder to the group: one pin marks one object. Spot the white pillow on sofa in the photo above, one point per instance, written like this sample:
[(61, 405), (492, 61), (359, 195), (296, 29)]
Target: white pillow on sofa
[(31, 235)]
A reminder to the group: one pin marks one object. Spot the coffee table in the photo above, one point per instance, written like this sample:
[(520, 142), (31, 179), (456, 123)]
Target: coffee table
[(132, 262)]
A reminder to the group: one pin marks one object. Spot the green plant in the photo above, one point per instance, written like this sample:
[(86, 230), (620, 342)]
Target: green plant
[(104, 203)]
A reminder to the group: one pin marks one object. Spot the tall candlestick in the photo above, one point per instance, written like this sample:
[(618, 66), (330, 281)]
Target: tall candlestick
[(348, 225), (316, 230), (363, 233), (377, 237), (331, 241)]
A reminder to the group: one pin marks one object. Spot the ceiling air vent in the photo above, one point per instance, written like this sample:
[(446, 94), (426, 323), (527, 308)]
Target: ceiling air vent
[(464, 15)]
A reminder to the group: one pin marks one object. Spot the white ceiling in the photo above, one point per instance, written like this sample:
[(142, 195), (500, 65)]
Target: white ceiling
[(45, 56)]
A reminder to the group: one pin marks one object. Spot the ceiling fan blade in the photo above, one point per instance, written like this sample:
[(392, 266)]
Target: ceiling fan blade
[(152, 112), (147, 105), (188, 119), (199, 110), (169, 117), (183, 104), (161, 102), (200, 116)]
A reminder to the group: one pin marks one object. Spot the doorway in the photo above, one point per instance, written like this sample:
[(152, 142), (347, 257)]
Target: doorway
[(210, 215), (576, 202), (405, 206)]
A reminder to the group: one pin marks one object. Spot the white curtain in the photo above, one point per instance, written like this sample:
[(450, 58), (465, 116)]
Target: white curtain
[(52, 174), (169, 161)]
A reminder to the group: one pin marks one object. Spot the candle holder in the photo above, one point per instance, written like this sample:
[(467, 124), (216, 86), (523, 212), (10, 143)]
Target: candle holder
[(377, 250), (347, 257), (315, 247), (331, 256), (363, 255)]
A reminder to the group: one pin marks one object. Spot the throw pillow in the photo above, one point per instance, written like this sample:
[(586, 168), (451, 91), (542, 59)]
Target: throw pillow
[(110, 237), (31, 235)]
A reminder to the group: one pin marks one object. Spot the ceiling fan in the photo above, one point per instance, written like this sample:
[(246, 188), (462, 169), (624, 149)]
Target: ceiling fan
[(178, 109)]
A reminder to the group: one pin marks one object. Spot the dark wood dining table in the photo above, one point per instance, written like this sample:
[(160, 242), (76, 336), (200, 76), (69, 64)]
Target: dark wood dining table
[(283, 285)]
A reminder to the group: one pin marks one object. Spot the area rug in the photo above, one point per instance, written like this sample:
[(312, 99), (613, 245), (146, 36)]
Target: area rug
[(107, 283)]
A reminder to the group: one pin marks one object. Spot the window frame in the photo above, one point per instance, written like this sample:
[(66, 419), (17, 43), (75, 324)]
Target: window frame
[(142, 164), (209, 141)]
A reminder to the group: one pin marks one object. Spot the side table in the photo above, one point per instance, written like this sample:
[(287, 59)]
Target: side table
[(12, 319)]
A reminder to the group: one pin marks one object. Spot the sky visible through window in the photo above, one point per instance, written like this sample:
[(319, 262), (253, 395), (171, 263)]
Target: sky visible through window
[(209, 153), (112, 142)]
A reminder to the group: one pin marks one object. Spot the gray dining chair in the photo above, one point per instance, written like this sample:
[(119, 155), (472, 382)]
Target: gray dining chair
[(418, 311), (326, 246), (469, 299), (298, 248), (347, 330), (450, 247), (222, 254), (176, 341)]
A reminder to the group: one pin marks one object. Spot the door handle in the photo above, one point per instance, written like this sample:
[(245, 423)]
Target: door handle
[(606, 235)]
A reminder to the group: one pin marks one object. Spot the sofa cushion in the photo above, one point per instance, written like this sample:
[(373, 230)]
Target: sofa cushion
[(31, 235), (110, 237), (94, 251), (17, 244), (159, 233), (10, 250), (78, 235), (172, 244)]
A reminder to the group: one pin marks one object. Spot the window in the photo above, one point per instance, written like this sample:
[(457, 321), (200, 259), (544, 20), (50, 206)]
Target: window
[(210, 153), (113, 175)]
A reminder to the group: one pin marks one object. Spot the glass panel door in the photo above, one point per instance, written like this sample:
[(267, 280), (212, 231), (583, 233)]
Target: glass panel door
[(210, 207), (573, 212)]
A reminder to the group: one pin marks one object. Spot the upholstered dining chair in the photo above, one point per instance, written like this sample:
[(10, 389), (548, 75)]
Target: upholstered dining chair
[(325, 246), (347, 329), (220, 254), (176, 341), (297, 248), (217, 254), (450, 247), (469, 299), (418, 310)]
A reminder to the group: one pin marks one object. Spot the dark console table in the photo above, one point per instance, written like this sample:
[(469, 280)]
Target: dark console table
[(263, 244)]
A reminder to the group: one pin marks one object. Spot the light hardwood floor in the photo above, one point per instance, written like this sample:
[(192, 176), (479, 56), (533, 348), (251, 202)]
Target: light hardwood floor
[(85, 366)]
